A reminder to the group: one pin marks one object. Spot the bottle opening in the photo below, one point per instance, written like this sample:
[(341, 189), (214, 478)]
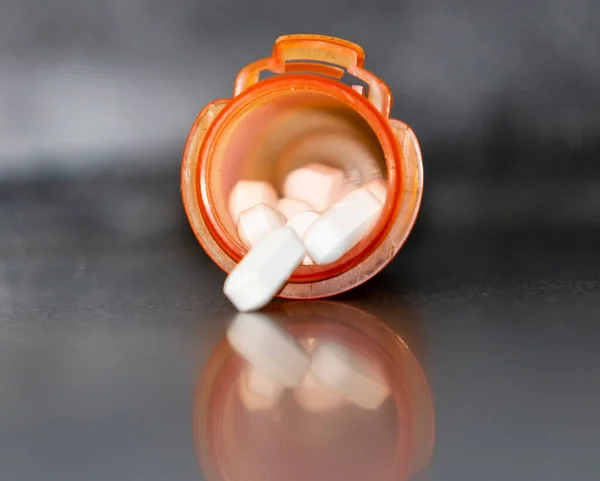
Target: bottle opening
[(281, 130)]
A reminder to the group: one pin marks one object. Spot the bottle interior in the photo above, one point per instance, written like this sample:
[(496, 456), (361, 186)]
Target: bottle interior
[(285, 131)]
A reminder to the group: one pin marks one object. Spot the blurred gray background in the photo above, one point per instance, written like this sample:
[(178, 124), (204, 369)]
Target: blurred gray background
[(109, 307), (503, 95), (85, 76)]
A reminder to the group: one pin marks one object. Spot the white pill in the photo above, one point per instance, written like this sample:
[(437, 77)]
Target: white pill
[(342, 226), (257, 391), (290, 207), (256, 222), (378, 188), (311, 395), (248, 193), (316, 184), (347, 373), (268, 348), (265, 269), (300, 223)]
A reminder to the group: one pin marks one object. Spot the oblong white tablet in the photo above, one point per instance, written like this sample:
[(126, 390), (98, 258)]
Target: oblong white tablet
[(256, 222), (342, 226), (290, 207), (265, 269), (316, 184), (248, 193)]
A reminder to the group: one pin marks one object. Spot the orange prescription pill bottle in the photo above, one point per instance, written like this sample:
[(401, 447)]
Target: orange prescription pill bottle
[(303, 112)]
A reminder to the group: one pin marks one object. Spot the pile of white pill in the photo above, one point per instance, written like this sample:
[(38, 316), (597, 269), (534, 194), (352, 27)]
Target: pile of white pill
[(323, 375), (320, 217)]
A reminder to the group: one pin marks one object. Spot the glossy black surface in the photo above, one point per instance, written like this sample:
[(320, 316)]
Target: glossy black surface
[(109, 309)]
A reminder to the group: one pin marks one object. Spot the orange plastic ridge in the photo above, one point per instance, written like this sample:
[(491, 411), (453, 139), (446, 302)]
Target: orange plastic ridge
[(319, 48)]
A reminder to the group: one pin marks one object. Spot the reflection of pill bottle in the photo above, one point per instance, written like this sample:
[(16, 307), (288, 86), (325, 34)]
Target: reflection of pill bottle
[(303, 113), (235, 443)]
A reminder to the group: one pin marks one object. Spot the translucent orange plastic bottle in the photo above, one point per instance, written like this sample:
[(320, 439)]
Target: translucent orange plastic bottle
[(303, 113)]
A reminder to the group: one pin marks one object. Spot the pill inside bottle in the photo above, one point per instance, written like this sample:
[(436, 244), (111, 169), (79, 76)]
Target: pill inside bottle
[(305, 139)]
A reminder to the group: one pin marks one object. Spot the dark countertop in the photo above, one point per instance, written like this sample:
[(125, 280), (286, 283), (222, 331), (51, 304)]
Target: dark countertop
[(109, 310)]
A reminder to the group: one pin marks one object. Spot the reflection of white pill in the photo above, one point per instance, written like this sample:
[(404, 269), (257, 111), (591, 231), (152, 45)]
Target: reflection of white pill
[(347, 373), (248, 193), (268, 348), (311, 395), (314, 397), (317, 184), (264, 270), (256, 222), (378, 188), (300, 223), (257, 391), (290, 207), (342, 226)]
